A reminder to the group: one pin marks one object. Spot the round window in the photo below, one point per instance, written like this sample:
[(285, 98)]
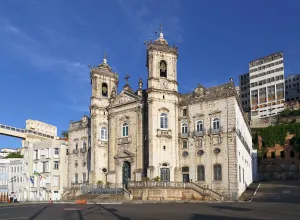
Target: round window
[(217, 150), (200, 152), (185, 153), (104, 170)]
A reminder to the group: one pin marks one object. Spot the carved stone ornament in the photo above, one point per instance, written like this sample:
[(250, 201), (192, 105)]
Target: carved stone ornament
[(117, 161)]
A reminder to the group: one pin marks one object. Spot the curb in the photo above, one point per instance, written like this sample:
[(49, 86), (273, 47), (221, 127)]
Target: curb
[(254, 193)]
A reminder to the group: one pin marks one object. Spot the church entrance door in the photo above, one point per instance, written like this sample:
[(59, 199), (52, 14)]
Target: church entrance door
[(126, 173), (185, 178), (165, 174)]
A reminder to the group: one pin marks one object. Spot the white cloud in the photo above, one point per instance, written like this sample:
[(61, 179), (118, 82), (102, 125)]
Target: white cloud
[(35, 53)]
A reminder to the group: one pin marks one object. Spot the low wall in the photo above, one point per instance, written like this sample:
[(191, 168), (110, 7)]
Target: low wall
[(166, 194)]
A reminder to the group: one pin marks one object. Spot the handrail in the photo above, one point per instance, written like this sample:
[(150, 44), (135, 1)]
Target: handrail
[(199, 189)]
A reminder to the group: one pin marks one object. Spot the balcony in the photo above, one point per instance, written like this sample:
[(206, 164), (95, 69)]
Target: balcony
[(3, 186), (124, 140), (184, 135), (199, 133), (83, 150), (164, 133), (75, 151), (215, 131)]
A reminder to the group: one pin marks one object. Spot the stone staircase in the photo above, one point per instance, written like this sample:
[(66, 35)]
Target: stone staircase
[(152, 190)]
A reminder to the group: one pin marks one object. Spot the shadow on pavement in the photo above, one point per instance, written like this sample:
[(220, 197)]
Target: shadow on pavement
[(215, 217), (231, 208), (38, 213)]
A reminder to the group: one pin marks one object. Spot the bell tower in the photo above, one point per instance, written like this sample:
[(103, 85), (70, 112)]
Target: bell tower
[(104, 87), (162, 102)]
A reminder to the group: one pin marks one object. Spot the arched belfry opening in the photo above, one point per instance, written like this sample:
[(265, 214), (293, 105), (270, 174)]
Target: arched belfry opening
[(104, 90), (163, 69)]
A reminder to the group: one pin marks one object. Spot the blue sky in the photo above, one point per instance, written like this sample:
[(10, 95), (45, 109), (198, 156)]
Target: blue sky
[(46, 45)]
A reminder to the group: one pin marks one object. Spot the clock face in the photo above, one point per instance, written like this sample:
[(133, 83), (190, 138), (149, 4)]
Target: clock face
[(164, 84)]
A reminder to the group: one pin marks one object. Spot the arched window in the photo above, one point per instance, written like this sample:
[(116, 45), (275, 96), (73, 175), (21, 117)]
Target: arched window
[(216, 124), (201, 173), (103, 135), (104, 90), (83, 144), (163, 69), (217, 172), (164, 121), (125, 130), (199, 126), (184, 129)]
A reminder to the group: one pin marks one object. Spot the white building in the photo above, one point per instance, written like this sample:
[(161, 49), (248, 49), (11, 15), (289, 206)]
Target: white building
[(17, 180), (267, 86), (4, 152), (4, 177), (158, 132), (292, 87), (46, 168), (41, 127)]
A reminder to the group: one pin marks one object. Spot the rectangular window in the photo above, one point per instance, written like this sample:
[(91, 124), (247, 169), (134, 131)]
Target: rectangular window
[(56, 165), (184, 112), (45, 167), (83, 177), (184, 144), (76, 178), (243, 175), (55, 180), (292, 153), (56, 151), (273, 154), (240, 175), (282, 154)]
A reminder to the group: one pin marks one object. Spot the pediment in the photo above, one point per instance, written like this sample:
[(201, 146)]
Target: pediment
[(124, 154), (124, 98)]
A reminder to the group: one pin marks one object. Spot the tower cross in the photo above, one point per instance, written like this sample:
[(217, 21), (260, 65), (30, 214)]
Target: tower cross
[(106, 55), (126, 78), (160, 28)]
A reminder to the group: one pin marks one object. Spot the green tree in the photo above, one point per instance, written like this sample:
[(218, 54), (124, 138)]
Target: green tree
[(65, 134), (14, 155)]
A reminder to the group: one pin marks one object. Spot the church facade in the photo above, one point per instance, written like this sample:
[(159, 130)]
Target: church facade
[(158, 133)]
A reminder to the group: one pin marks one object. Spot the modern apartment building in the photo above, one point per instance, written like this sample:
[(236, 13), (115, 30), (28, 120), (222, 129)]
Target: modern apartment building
[(41, 127), (266, 86), (46, 169), (292, 88), (244, 91)]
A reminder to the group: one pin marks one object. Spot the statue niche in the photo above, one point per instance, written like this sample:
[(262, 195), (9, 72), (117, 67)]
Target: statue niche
[(163, 69), (104, 90)]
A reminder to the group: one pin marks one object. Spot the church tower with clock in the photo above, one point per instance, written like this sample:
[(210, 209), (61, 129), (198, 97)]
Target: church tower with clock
[(162, 100)]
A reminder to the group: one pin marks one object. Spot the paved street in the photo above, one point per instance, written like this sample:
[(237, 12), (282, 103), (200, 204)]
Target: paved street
[(243, 211), (273, 200), (278, 191)]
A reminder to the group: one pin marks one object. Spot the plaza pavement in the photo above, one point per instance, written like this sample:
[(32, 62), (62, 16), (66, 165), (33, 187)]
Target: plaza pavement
[(273, 200)]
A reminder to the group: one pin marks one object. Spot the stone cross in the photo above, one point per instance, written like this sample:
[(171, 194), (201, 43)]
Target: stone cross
[(126, 78)]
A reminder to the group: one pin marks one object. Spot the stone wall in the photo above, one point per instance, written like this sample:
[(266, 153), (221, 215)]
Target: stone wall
[(166, 194)]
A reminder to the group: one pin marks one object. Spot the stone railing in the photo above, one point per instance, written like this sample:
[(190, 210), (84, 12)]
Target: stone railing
[(177, 185), (154, 184), (199, 133)]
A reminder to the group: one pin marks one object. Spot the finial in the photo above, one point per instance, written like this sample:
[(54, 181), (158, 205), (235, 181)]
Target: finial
[(105, 58), (126, 78), (161, 35), (140, 83), (230, 79)]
